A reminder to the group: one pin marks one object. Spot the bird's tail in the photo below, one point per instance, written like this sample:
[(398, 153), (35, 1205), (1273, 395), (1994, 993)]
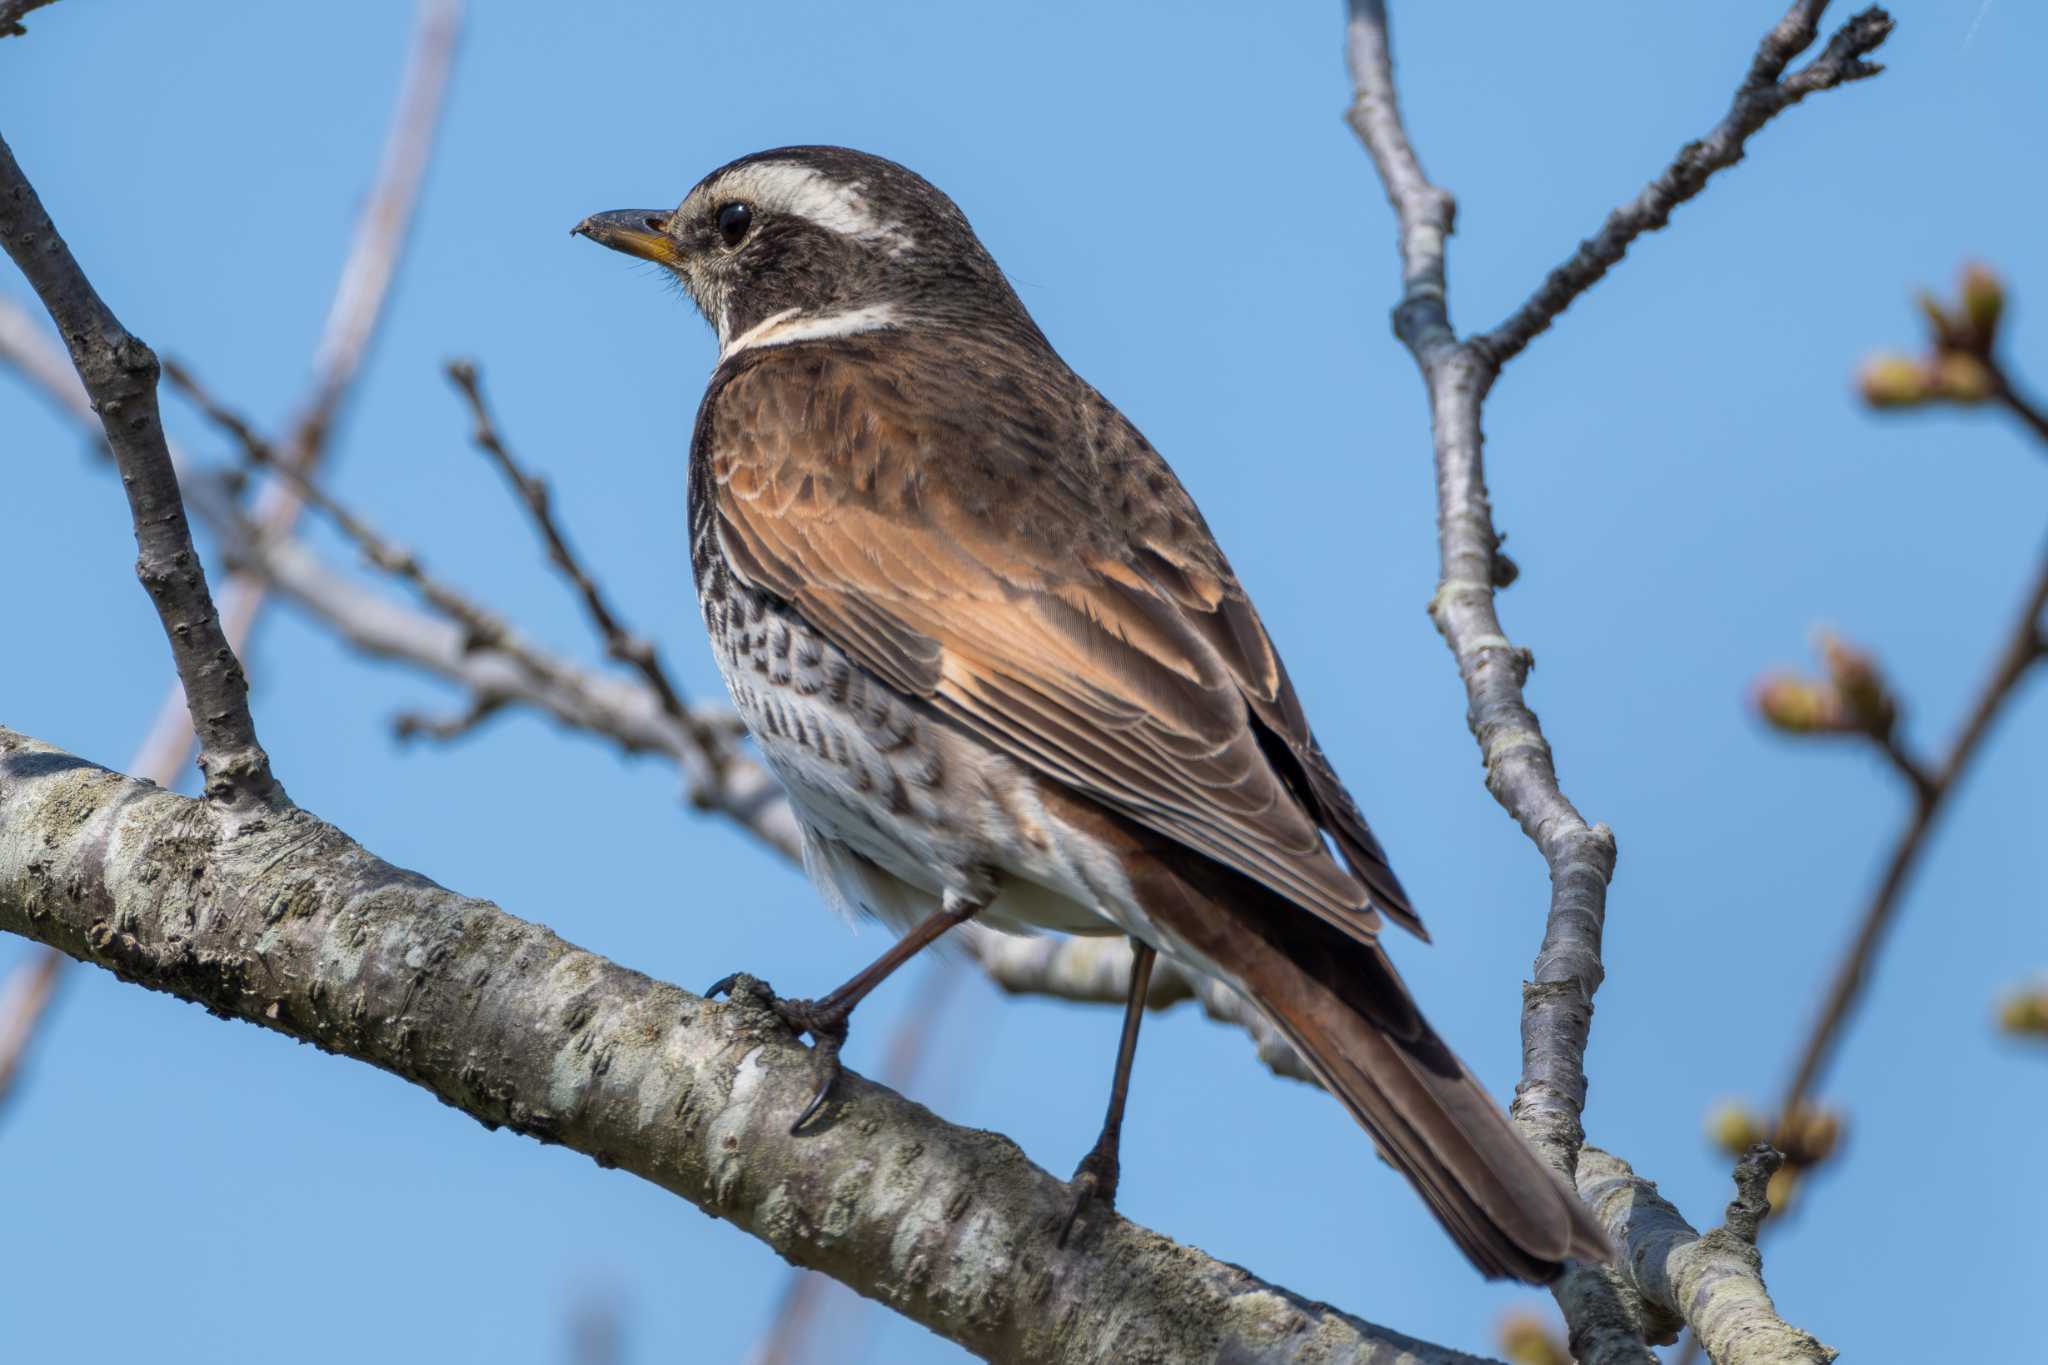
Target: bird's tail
[(1338, 999)]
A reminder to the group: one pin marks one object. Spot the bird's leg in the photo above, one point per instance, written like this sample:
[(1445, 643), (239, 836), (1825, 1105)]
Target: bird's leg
[(1096, 1177), (825, 1019)]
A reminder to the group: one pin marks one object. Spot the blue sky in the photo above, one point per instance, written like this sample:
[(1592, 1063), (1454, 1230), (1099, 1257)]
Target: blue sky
[(1686, 479)]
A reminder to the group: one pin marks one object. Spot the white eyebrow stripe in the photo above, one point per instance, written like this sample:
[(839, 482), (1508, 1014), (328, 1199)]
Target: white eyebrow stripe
[(787, 187), (781, 329)]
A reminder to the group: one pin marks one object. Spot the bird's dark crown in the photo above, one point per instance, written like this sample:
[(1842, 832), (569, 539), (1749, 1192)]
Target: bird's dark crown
[(805, 240)]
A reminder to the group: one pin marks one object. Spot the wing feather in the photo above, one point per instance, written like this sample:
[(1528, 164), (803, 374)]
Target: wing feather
[(1038, 576)]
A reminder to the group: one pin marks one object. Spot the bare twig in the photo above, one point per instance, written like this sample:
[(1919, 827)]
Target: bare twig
[(384, 226), (1557, 1007), (625, 712), (482, 628), (1558, 1000), (621, 644), (1766, 93), (26, 345), (1918, 778), (119, 372), (2008, 395)]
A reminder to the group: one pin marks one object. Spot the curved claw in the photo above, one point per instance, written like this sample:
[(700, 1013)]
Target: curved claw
[(827, 1028), (721, 986), (826, 1048)]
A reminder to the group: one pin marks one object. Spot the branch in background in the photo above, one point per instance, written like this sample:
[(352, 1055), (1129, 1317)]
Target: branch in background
[(1558, 1001), (24, 1001), (119, 373), (1855, 700), (620, 644), (382, 232), (295, 928), (483, 631), (1097, 971), (2024, 647)]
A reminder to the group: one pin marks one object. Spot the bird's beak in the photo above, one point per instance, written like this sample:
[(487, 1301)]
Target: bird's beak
[(637, 232)]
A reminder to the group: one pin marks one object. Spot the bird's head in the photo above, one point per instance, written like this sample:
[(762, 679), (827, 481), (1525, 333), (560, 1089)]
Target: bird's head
[(816, 241)]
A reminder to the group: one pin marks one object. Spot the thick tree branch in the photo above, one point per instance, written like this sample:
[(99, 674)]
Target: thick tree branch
[(792, 1327), (1603, 1313), (119, 373), (290, 925), (1714, 1283)]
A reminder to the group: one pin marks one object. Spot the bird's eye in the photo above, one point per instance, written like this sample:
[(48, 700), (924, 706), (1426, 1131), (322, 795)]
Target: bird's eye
[(733, 222)]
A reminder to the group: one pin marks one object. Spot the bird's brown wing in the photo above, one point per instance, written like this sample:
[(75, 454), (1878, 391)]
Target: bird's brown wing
[(1022, 559)]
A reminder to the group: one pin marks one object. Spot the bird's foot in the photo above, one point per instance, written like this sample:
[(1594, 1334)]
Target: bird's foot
[(1094, 1183), (827, 1025)]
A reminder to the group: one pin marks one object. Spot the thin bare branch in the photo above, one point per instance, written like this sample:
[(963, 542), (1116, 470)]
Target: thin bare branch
[(353, 318), (623, 645), (119, 373), (1604, 1310), (1557, 1005), (26, 344), (1762, 96), (384, 226), (2008, 395), (1918, 779), (2021, 651)]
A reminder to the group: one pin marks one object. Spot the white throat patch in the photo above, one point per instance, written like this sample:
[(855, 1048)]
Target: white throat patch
[(780, 329)]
